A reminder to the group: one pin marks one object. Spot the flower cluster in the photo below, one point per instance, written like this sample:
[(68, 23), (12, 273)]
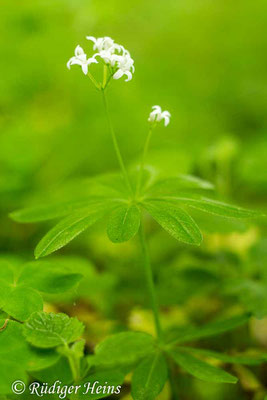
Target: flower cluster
[(115, 56), (157, 115)]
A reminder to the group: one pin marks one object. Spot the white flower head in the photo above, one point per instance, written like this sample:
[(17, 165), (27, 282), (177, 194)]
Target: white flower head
[(115, 55), (157, 115), (124, 64), (80, 58), (103, 44)]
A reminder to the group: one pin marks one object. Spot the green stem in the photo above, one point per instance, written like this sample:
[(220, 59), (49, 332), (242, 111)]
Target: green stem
[(172, 378), (150, 280), (93, 80), (74, 364), (142, 164), (115, 143)]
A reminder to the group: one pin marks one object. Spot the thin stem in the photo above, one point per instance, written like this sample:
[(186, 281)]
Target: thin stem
[(115, 143), (142, 164), (150, 280), (93, 80), (74, 366), (172, 378)]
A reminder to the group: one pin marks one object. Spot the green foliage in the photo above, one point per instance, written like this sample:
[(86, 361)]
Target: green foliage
[(123, 223), (123, 348), (210, 329), (69, 228), (17, 356), (149, 377), (54, 137), (48, 330), (201, 369), (175, 221)]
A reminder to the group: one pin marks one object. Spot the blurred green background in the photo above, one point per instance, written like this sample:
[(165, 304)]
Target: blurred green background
[(203, 60)]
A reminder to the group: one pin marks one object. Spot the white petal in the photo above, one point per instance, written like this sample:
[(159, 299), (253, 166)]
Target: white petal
[(129, 76), (166, 113), (85, 68), (92, 38), (157, 108), (78, 51), (92, 60), (118, 74), (166, 120), (73, 61)]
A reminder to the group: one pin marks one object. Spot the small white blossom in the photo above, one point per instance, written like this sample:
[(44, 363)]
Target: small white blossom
[(115, 55), (104, 44), (125, 65), (157, 115), (80, 58)]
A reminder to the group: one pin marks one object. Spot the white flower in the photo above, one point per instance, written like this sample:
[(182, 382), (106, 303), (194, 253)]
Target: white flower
[(157, 115), (124, 64), (104, 44), (80, 58)]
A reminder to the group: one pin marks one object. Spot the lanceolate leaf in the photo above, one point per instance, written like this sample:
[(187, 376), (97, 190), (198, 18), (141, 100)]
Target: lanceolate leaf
[(51, 211), (175, 221), (69, 228), (123, 223), (211, 329), (47, 330), (214, 207), (201, 369), (149, 377), (175, 185), (226, 358), (123, 348)]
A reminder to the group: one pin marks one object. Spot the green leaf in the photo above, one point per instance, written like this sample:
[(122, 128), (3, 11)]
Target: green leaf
[(107, 382), (175, 221), (175, 185), (47, 330), (16, 299), (211, 329), (21, 302), (123, 223), (51, 211), (201, 369), (48, 277), (9, 373), (149, 377), (67, 229), (123, 348), (226, 358), (59, 371), (22, 356), (215, 207)]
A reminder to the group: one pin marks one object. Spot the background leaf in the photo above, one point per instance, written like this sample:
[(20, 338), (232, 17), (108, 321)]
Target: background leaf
[(123, 348), (201, 369)]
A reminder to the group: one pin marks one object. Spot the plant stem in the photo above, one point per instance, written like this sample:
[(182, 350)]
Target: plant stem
[(115, 143), (175, 395), (93, 80), (142, 164), (150, 280), (74, 365)]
